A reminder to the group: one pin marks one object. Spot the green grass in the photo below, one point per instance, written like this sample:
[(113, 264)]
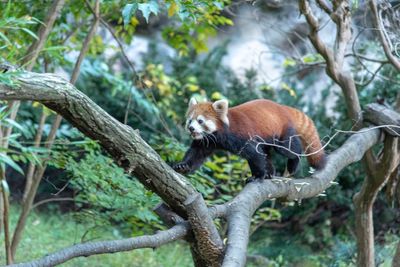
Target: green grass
[(47, 233)]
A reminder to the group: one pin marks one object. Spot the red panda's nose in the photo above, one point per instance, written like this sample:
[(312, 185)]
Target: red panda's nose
[(191, 129)]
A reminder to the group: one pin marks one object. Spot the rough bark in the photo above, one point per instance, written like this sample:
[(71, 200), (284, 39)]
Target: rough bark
[(364, 201), (387, 118), (208, 245), (121, 141)]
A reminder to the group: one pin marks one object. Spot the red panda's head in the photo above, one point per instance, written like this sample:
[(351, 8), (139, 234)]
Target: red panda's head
[(206, 118)]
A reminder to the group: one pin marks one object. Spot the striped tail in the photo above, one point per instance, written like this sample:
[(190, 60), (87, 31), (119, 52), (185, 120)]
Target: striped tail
[(310, 140)]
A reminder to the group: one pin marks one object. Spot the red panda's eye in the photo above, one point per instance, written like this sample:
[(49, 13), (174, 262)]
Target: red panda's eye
[(200, 121)]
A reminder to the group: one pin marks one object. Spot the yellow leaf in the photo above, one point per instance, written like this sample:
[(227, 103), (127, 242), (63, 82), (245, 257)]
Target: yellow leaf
[(148, 83), (291, 91), (36, 104), (134, 21), (48, 111), (172, 9), (193, 87), (216, 96)]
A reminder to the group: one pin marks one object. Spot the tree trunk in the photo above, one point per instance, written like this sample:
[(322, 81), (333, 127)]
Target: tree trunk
[(363, 202)]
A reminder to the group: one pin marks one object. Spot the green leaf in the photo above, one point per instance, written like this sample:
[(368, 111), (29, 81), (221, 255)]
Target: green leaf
[(2, 36), (148, 8), (5, 186), (14, 124), (7, 160), (128, 11), (218, 4), (30, 33)]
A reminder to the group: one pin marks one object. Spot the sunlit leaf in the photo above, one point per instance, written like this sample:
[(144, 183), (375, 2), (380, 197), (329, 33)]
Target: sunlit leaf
[(128, 11), (148, 8), (7, 160)]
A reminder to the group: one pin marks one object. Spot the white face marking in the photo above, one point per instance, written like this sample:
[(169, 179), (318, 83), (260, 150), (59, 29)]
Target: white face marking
[(199, 126)]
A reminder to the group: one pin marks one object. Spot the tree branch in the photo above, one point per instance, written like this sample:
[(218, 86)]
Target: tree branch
[(380, 115), (334, 60), (378, 25), (122, 142), (242, 207), (112, 246)]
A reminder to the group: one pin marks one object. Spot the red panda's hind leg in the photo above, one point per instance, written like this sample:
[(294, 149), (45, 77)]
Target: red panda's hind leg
[(290, 147), (260, 164)]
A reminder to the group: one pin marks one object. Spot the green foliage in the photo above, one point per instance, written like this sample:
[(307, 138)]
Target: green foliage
[(14, 30), (196, 21), (104, 194), (17, 152), (51, 230)]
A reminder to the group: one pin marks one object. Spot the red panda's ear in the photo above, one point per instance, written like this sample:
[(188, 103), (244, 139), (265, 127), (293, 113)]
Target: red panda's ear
[(221, 107), (192, 102)]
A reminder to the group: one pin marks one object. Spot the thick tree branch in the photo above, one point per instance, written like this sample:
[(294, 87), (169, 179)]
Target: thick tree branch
[(209, 245), (122, 142), (112, 246), (380, 115), (242, 207)]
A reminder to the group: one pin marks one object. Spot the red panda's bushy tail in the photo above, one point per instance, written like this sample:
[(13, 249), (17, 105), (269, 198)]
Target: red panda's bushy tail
[(310, 140)]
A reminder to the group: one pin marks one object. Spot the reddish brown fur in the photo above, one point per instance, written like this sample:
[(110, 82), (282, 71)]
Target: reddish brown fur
[(265, 118)]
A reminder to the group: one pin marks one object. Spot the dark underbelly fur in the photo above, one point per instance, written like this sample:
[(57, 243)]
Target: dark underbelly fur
[(258, 157)]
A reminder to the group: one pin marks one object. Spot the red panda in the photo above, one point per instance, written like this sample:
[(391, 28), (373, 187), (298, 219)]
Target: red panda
[(240, 130)]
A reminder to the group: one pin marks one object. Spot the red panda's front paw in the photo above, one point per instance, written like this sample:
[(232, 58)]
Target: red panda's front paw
[(181, 168)]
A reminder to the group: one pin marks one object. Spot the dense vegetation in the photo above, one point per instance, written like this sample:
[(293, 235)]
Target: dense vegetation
[(83, 195)]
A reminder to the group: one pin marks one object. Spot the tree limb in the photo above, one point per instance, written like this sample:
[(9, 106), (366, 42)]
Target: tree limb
[(378, 25), (380, 115), (334, 59), (122, 142), (242, 207), (112, 246)]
